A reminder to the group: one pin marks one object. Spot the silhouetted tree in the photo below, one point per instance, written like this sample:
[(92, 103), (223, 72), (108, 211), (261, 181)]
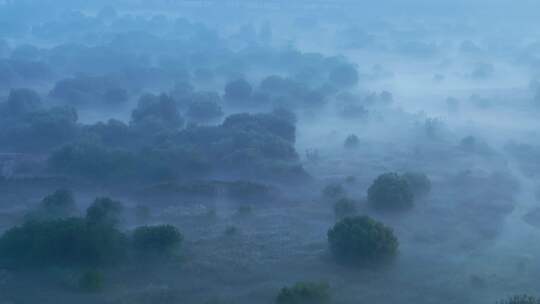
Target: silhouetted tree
[(362, 239), (390, 191)]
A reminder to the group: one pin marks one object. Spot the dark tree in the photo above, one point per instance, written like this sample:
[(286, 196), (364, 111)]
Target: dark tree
[(113, 133), (390, 192), (362, 239), (94, 162), (155, 114)]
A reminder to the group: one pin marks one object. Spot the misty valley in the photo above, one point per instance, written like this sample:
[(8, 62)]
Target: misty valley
[(271, 151)]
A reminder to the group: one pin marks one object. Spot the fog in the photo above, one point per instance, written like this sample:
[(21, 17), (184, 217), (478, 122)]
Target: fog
[(270, 151)]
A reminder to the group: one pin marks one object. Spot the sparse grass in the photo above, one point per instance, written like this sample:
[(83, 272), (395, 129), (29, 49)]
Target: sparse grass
[(305, 293), (520, 299)]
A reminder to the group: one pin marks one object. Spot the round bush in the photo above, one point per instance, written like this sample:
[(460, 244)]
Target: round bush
[(362, 239), (390, 192)]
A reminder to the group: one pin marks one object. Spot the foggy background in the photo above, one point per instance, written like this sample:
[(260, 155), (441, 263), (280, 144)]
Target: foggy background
[(243, 123)]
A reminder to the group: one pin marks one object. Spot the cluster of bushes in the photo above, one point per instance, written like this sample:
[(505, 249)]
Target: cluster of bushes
[(25, 124), (90, 241), (258, 146), (89, 91), (156, 114), (62, 242), (361, 239)]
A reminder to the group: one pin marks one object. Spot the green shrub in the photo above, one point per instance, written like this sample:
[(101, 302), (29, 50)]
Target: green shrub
[(418, 182), (344, 207), (304, 293), (520, 299), (156, 240), (62, 242), (390, 192), (362, 239), (91, 281)]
